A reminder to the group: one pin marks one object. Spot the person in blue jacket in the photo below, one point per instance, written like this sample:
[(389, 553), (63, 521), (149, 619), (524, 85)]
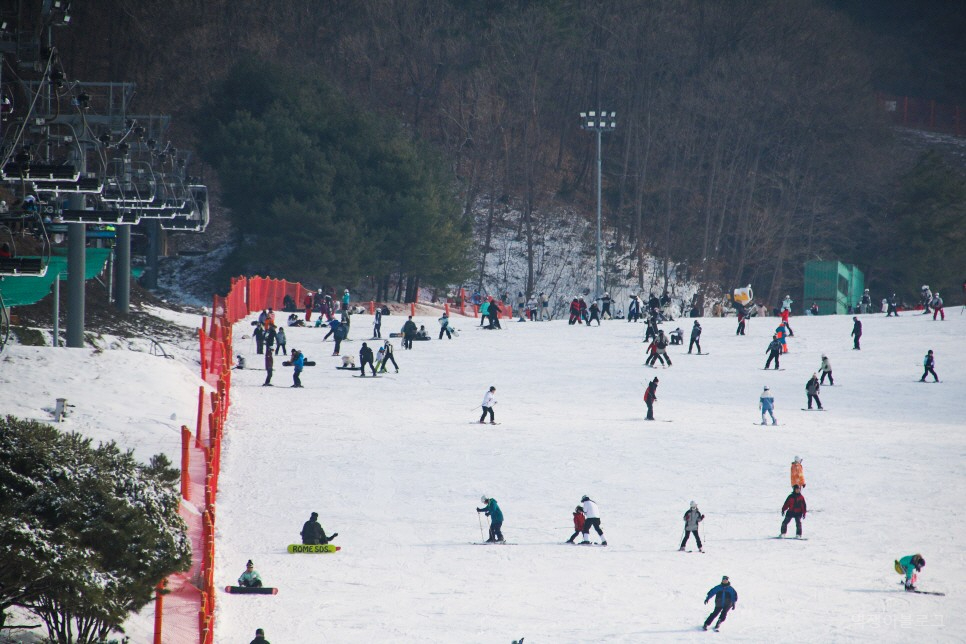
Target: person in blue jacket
[(492, 509), (767, 404), (910, 565), (725, 599), (298, 361)]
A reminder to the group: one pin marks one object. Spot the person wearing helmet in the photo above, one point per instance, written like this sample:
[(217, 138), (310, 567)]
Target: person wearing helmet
[(725, 599), (910, 566), (692, 517), (774, 351), (579, 520), (649, 397), (492, 509), (866, 302), (892, 306), (591, 520), (787, 303), (856, 333), (794, 508), (925, 297), (797, 475), (826, 369), (345, 300), (812, 387), (695, 337), (928, 364), (766, 402), (937, 307), (605, 313)]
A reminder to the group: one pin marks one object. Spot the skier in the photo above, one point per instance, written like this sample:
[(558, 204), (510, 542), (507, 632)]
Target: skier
[(259, 637), (339, 331), (925, 296), (787, 303), (856, 333), (796, 473), (582, 310), (365, 358), (484, 312), (444, 327), (605, 307), (826, 369), (655, 353), (788, 327), (695, 337), (575, 311), (345, 300), (928, 363), (937, 307), (387, 357), (409, 333), (794, 508), (649, 397), (377, 325), (692, 518), (910, 565), (280, 346), (250, 578), (634, 309), (269, 367), (892, 310), (492, 509), (298, 362), (774, 351), (782, 334), (313, 534), (591, 520), (578, 523), (489, 399), (725, 599), (594, 313), (494, 313), (767, 405), (812, 388)]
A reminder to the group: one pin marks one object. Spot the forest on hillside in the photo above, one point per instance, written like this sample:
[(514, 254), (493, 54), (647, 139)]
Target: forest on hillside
[(748, 139)]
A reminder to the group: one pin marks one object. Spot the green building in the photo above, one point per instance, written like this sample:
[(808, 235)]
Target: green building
[(833, 286)]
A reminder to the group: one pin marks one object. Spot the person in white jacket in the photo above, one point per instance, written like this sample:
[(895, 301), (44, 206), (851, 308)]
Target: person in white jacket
[(591, 520), (489, 399), (826, 369)]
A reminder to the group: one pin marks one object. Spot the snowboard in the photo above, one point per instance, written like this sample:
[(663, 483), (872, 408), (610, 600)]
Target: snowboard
[(245, 590), (822, 409), (771, 369), (492, 543), (348, 368), (791, 538), (926, 592), (930, 382), (706, 353), (658, 420), (308, 363), (369, 376), (301, 548), (767, 424), (476, 422)]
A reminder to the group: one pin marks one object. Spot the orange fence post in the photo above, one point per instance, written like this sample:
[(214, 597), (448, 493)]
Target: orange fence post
[(412, 308), (185, 463), (158, 609), (446, 308), (372, 307)]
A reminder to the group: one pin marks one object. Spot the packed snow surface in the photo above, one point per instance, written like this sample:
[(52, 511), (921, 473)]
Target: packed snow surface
[(397, 466)]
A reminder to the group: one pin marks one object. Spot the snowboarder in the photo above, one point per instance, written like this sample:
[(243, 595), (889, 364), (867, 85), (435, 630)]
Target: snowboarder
[(345, 300), (866, 302), (259, 335), (365, 358), (788, 327), (308, 303), (692, 518), (796, 473), (794, 508), (409, 333), (695, 337), (591, 520), (259, 637), (579, 520), (377, 325), (489, 399), (484, 312), (605, 307), (649, 397), (725, 599), (269, 367), (774, 351), (594, 314), (826, 369), (937, 307), (387, 357), (925, 296), (444, 327), (677, 336), (856, 333), (812, 388), (298, 363), (910, 566), (544, 306), (492, 509), (313, 534), (892, 304), (782, 334), (767, 405), (250, 578), (280, 341), (928, 363), (634, 309), (574, 312)]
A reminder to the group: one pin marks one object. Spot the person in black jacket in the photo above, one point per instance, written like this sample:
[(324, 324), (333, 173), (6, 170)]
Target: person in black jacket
[(365, 358), (313, 534), (649, 397), (928, 363), (377, 325), (774, 351), (856, 332), (409, 333), (695, 337), (259, 637), (387, 357), (794, 508), (725, 599)]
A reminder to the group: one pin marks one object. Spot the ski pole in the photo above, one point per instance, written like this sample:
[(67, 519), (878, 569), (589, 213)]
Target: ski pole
[(481, 525)]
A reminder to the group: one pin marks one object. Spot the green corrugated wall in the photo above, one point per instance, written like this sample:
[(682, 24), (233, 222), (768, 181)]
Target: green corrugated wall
[(23, 290)]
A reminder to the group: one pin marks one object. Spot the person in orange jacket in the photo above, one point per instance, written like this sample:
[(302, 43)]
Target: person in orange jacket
[(798, 477), (579, 519)]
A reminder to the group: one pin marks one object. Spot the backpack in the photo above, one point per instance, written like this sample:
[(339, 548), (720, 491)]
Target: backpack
[(808, 384)]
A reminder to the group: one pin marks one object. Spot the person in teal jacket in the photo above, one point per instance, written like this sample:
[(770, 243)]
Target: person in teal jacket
[(250, 578), (911, 565), (492, 509), (484, 312)]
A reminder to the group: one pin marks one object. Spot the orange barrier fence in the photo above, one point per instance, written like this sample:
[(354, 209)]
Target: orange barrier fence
[(924, 114)]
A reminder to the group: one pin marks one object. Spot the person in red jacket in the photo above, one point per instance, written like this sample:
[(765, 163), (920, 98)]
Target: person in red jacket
[(307, 302), (794, 508), (649, 397), (578, 523), (785, 314)]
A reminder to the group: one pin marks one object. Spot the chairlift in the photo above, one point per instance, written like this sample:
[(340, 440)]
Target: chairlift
[(14, 264), (197, 219)]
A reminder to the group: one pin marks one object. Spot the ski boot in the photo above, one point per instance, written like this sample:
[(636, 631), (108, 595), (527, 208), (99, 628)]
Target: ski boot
[(604, 542), (681, 549), (700, 549)]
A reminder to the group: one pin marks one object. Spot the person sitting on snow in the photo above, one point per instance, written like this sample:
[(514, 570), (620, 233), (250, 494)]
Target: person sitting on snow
[(313, 534), (250, 578)]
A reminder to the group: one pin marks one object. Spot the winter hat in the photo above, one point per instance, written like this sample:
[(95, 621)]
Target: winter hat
[(249, 564), (579, 508), (798, 459), (258, 632), (314, 516), (656, 380), (693, 504), (766, 388), (797, 487), (930, 351), (584, 498), (484, 499), (725, 581), (364, 345)]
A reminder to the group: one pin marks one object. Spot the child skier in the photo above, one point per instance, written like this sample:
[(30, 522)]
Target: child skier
[(578, 523), (774, 351), (767, 405), (910, 567), (796, 474), (826, 369), (692, 518), (592, 520), (794, 508), (492, 509), (725, 599), (928, 363)]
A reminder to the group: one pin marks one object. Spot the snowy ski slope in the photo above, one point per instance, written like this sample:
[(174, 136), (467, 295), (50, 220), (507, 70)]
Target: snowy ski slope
[(397, 465)]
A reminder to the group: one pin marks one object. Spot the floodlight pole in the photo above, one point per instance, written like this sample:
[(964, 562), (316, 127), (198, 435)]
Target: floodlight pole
[(599, 122)]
